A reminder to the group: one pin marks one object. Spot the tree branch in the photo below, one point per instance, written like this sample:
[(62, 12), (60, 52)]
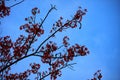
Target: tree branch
[(52, 7), (17, 3), (54, 57), (48, 38), (15, 62), (57, 70)]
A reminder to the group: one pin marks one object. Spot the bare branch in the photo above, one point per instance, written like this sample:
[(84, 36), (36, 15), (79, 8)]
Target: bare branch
[(17, 3), (52, 7), (57, 70)]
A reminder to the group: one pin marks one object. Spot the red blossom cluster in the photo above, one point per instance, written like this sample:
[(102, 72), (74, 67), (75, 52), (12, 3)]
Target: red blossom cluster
[(5, 48), (75, 50), (5, 54), (54, 69), (79, 14), (54, 74), (73, 23), (19, 49), (57, 25), (34, 29), (65, 41), (4, 11), (31, 27), (97, 75), (15, 76), (76, 19), (48, 49), (23, 75), (35, 11), (35, 67), (57, 61)]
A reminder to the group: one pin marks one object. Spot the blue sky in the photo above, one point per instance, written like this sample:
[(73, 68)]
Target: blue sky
[(100, 33)]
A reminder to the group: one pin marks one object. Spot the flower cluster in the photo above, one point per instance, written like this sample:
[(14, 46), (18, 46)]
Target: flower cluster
[(73, 23), (4, 11), (48, 49), (78, 16), (35, 67), (54, 69), (35, 11), (19, 49), (81, 50), (65, 41), (5, 47), (56, 62), (23, 75), (97, 75), (75, 50), (57, 25), (34, 29)]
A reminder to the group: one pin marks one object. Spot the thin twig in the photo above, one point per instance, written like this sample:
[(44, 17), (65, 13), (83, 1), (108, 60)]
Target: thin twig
[(54, 57), (52, 7), (58, 70), (17, 3)]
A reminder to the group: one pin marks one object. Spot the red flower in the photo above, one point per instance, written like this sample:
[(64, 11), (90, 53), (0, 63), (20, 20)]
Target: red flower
[(4, 11)]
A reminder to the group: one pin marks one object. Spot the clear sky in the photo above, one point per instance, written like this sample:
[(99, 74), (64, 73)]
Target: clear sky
[(100, 33)]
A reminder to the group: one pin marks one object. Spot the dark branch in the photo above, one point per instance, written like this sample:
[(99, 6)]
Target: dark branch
[(17, 3), (48, 38), (57, 70)]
